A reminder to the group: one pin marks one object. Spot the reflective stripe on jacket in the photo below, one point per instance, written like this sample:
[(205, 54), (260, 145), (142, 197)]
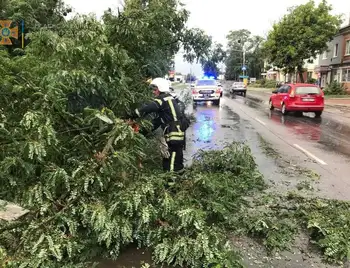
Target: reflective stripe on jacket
[(166, 106)]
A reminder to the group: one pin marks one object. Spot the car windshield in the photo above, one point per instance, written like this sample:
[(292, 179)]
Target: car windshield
[(206, 83), (238, 84), (307, 90)]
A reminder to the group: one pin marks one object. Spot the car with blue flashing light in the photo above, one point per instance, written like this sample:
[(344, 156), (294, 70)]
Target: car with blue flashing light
[(206, 89)]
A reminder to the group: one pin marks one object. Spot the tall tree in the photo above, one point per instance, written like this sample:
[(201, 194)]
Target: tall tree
[(301, 34), (254, 56), (216, 56), (153, 32), (239, 41)]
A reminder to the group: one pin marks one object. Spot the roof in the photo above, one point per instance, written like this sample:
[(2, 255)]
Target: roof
[(345, 29)]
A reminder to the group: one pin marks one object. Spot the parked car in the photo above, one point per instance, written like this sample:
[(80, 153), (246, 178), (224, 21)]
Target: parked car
[(206, 90), (298, 98), (239, 88)]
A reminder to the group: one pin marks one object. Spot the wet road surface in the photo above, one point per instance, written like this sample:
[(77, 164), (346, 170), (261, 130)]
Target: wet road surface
[(304, 144), (321, 145), (287, 149)]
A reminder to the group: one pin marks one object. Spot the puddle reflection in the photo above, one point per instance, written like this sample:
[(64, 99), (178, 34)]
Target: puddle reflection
[(323, 131), (310, 128)]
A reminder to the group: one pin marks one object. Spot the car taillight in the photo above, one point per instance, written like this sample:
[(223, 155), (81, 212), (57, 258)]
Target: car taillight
[(292, 94), (218, 90), (194, 91)]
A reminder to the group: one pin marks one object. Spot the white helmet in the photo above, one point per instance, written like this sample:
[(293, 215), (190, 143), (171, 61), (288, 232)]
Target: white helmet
[(161, 83)]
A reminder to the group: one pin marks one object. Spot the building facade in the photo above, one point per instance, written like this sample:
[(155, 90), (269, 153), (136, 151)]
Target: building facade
[(345, 66), (334, 64), (309, 75)]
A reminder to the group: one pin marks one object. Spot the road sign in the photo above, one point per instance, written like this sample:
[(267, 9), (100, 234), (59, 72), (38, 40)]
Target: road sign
[(244, 68), (243, 76)]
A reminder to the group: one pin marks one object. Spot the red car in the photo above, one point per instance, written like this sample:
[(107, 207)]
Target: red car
[(298, 98)]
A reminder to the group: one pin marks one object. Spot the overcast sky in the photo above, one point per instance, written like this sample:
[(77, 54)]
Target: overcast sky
[(218, 17)]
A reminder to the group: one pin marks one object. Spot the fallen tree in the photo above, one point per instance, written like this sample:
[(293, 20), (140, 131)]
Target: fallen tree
[(68, 157)]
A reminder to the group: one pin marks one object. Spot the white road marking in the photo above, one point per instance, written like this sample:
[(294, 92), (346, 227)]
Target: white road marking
[(261, 122), (309, 154)]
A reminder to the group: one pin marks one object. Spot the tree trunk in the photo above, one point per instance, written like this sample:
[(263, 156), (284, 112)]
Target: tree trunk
[(301, 77), (300, 72)]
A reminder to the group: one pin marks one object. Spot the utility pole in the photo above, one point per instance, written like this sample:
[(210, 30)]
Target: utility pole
[(243, 61)]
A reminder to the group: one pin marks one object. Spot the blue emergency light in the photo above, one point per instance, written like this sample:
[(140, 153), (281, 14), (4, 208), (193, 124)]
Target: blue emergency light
[(208, 77)]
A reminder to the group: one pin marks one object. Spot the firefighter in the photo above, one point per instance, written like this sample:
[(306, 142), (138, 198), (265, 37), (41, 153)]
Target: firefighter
[(172, 121)]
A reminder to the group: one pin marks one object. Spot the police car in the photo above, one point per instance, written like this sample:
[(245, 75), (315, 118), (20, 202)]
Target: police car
[(206, 89)]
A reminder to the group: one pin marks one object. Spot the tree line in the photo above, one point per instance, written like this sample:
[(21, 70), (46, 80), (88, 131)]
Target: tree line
[(301, 34)]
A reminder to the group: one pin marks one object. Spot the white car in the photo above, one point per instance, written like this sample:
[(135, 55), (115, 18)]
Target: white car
[(206, 90), (239, 88)]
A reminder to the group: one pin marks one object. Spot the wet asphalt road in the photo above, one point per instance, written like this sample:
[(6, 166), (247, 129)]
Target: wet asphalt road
[(321, 148), (305, 144)]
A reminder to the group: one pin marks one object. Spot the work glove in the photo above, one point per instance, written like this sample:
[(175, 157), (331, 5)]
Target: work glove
[(164, 149)]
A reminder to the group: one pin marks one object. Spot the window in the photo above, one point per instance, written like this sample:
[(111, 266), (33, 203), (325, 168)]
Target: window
[(347, 48), (346, 75), (335, 51), (307, 90), (206, 83), (325, 55), (283, 89)]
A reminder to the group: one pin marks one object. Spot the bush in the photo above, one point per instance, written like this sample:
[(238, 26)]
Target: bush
[(264, 83), (335, 88), (311, 80)]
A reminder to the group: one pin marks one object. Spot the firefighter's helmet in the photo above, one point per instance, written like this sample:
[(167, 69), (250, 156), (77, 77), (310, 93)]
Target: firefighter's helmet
[(161, 84)]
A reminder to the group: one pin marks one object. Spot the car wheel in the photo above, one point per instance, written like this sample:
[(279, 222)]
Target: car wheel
[(284, 110), (318, 114), (271, 106), (244, 94)]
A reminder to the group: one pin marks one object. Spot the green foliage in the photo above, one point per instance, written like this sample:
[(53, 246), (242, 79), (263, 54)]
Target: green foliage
[(237, 40), (300, 35), (36, 14), (68, 156), (264, 83), (154, 33), (185, 224), (277, 219), (210, 64), (311, 81), (335, 88)]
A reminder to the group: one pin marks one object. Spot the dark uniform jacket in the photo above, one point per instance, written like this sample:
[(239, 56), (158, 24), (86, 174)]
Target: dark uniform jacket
[(171, 118)]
